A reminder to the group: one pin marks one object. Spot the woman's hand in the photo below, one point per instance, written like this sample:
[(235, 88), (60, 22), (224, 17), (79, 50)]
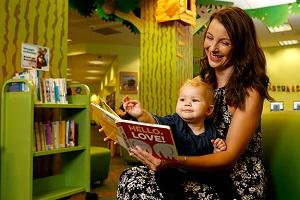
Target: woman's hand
[(106, 139), (101, 130), (147, 159)]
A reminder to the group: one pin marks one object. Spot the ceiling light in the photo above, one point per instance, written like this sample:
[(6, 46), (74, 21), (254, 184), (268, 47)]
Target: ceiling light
[(281, 28), (92, 78), (95, 62), (76, 53), (95, 72), (288, 42), (94, 98)]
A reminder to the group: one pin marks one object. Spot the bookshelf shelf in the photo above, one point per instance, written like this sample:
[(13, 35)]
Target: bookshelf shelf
[(49, 105), (25, 173), (58, 193), (57, 151)]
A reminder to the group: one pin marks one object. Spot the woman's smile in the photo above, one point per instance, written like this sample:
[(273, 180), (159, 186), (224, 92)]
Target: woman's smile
[(215, 57)]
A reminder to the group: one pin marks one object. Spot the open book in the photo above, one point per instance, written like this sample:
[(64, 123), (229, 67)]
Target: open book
[(155, 138)]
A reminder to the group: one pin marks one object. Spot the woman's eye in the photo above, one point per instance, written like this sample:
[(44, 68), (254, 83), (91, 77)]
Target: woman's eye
[(226, 43), (209, 37)]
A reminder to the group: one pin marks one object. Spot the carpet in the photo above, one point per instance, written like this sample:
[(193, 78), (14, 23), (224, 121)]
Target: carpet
[(106, 190)]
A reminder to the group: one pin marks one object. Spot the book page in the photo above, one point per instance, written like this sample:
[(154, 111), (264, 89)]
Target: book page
[(154, 138), (106, 107), (108, 121)]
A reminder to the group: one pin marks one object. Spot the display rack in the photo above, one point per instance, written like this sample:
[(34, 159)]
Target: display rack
[(20, 162)]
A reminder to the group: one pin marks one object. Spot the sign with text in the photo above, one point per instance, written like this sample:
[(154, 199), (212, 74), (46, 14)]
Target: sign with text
[(35, 57)]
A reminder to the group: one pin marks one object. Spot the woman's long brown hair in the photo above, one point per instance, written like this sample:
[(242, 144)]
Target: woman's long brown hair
[(247, 58)]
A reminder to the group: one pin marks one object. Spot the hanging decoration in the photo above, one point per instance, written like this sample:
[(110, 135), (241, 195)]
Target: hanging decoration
[(204, 11), (119, 10), (108, 10), (169, 10)]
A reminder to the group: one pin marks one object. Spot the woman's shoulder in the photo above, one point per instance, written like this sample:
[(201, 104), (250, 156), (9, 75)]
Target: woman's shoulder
[(253, 94), (253, 100)]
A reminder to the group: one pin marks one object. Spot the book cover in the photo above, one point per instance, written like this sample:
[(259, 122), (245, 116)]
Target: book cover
[(155, 138), (62, 134), (49, 136), (67, 133), (38, 139), (72, 133), (55, 130), (16, 87), (42, 135)]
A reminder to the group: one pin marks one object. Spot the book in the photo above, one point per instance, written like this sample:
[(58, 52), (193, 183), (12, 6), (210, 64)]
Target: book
[(49, 135), (72, 134), (62, 134), (154, 138), (55, 130), (38, 140)]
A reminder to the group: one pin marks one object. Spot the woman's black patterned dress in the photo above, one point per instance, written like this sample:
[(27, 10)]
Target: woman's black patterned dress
[(248, 174)]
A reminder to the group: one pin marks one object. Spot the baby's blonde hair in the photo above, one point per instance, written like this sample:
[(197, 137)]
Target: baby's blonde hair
[(197, 82)]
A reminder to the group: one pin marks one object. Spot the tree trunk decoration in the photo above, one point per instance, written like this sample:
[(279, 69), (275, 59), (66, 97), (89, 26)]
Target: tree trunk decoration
[(166, 60)]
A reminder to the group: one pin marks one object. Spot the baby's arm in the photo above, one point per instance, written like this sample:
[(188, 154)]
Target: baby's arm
[(135, 109), (219, 145)]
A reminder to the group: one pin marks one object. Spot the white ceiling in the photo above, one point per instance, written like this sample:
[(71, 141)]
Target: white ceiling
[(251, 4), (82, 30)]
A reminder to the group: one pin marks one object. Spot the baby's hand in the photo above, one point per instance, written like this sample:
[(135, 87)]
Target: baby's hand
[(134, 108), (219, 145), (126, 98)]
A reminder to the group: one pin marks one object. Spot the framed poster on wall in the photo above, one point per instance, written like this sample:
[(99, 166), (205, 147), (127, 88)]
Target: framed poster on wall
[(276, 106), (128, 82), (296, 105)]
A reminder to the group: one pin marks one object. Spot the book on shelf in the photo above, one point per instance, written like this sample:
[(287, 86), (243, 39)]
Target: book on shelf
[(154, 138), (54, 90), (48, 136), (54, 134), (46, 90)]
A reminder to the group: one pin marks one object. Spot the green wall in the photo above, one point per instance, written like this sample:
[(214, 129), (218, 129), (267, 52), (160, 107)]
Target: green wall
[(283, 68)]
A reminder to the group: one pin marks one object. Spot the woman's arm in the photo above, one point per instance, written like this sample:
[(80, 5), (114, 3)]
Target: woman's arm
[(241, 130)]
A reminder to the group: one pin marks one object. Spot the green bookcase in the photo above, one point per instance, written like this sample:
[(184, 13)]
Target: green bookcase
[(19, 160)]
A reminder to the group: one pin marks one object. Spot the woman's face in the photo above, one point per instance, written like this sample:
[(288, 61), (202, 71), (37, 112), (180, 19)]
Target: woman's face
[(217, 45)]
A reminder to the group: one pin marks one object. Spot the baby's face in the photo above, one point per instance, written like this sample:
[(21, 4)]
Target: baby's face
[(192, 105)]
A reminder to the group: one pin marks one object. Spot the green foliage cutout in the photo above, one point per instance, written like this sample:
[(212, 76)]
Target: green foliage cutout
[(105, 10), (275, 15), (271, 16)]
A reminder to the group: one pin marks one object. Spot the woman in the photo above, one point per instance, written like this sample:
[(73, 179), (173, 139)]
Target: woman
[(235, 65)]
